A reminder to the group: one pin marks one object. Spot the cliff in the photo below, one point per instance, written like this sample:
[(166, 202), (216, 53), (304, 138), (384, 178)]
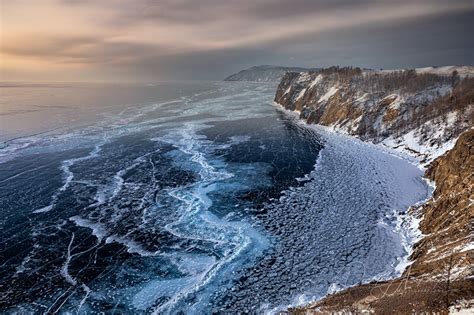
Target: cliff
[(419, 112), (428, 114), (263, 73), (447, 216)]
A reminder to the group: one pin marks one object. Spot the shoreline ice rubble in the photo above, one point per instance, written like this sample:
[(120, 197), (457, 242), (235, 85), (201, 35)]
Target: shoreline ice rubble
[(406, 223)]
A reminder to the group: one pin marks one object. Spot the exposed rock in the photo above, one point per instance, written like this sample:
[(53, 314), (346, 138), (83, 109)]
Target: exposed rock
[(421, 113), (440, 276), (447, 217), (399, 296)]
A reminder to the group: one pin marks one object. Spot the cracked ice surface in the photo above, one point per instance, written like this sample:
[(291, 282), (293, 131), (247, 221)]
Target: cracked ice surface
[(333, 231), (176, 206)]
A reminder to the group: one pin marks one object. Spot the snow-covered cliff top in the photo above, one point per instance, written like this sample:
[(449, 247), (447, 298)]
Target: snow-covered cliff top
[(419, 112), (463, 71)]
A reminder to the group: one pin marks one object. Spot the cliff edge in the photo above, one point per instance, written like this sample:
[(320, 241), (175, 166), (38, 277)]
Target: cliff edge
[(428, 114)]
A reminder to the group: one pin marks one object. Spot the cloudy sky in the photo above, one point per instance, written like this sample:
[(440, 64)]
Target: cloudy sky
[(152, 40)]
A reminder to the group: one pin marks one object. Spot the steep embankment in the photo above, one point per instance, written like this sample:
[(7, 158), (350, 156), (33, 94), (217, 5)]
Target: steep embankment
[(421, 113), (447, 217)]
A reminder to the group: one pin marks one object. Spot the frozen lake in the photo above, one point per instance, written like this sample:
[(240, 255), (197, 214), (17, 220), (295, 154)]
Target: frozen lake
[(186, 197)]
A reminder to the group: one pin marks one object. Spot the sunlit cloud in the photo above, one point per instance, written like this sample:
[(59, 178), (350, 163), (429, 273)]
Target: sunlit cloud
[(156, 40)]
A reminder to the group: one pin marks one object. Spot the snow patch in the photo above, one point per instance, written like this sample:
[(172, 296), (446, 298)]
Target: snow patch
[(303, 77), (395, 104), (463, 71), (448, 70), (328, 94), (361, 98), (300, 94), (315, 81)]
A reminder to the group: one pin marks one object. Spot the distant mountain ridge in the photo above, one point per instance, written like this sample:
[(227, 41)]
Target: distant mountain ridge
[(264, 73)]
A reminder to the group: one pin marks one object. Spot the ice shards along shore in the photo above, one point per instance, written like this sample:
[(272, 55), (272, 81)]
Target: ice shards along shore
[(177, 205), (334, 231)]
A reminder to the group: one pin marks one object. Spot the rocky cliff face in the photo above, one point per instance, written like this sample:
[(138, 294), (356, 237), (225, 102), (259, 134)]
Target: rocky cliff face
[(422, 113), (440, 278), (448, 216)]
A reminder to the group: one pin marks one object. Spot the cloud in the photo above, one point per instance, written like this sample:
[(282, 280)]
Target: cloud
[(80, 49), (210, 38), (191, 12)]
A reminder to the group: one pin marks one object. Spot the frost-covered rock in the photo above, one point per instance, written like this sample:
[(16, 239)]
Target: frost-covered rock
[(420, 112)]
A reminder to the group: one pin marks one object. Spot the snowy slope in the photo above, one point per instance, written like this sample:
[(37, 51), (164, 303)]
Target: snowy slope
[(463, 71), (418, 112)]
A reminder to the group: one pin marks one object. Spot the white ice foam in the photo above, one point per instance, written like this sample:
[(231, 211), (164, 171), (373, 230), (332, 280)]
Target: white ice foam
[(197, 223), (65, 167)]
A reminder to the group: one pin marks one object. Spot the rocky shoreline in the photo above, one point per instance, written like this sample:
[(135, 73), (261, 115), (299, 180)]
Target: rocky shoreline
[(425, 114)]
